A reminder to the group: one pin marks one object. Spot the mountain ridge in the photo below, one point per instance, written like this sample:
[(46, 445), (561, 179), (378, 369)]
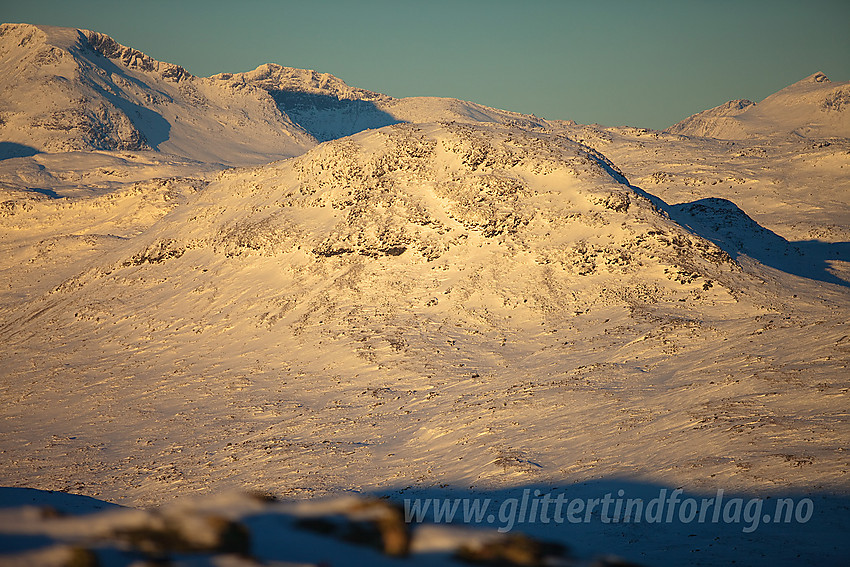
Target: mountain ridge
[(813, 107), (82, 90), (273, 112), (271, 76)]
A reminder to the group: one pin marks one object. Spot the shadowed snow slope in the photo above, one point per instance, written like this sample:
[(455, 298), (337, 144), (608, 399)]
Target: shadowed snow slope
[(813, 107), (67, 89)]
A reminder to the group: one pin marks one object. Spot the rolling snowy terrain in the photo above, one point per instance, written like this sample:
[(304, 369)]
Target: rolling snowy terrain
[(274, 282)]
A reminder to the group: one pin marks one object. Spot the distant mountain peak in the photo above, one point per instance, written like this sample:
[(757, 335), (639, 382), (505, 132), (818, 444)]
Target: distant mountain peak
[(707, 122), (274, 77), (32, 38), (66, 89), (811, 107)]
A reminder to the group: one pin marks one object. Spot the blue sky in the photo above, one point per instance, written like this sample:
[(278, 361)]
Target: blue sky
[(641, 63)]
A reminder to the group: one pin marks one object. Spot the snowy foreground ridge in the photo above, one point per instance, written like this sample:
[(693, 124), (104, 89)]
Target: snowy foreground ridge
[(366, 308)]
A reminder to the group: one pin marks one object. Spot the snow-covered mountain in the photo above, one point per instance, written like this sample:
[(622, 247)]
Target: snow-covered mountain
[(813, 108), (67, 89), (329, 109), (439, 299), (715, 122), (780, 199), (467, 265)]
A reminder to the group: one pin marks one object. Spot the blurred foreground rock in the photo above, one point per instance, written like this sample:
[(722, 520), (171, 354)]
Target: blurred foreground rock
[(236, 529)]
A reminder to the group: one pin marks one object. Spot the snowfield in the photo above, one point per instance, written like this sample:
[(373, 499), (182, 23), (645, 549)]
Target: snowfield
[(274, 283)]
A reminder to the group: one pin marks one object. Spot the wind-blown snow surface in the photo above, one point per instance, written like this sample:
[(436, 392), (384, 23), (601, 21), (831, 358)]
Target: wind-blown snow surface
[(464, 301)]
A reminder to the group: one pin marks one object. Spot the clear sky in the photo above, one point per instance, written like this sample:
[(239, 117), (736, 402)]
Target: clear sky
[(615, 62)]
